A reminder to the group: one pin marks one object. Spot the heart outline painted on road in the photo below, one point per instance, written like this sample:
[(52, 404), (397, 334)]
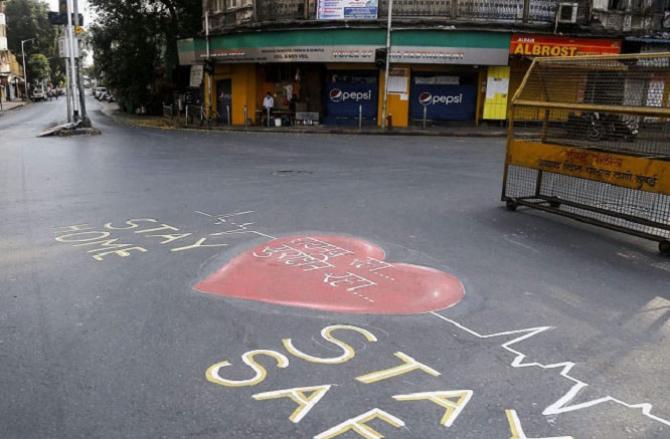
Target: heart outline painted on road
[(332, 273)]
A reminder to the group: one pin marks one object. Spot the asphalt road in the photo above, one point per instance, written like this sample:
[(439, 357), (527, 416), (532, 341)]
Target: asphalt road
[(149, 286)]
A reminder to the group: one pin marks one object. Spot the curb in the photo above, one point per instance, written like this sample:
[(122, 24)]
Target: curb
[(131, 121), (15, 107)]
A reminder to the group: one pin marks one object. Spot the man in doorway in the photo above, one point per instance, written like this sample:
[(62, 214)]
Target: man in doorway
[(268, 105)]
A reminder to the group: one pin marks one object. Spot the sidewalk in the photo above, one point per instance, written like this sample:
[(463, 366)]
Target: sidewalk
[(11, 105), (111, 110)]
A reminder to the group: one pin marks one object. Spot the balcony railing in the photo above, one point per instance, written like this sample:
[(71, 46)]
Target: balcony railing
[(518, 12)]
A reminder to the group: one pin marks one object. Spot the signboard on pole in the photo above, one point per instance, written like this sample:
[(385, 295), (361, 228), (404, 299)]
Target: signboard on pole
[(196, 75), (64, 48), (347, 10)]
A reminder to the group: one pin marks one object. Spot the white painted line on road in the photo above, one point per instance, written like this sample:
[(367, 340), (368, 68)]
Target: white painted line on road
[(559, 406)]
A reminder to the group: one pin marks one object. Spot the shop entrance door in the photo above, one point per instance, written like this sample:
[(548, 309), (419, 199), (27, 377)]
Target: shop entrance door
[(224, 93)]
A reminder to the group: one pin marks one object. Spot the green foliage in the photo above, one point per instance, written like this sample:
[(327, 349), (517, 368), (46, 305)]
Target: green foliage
[(28, 19), (38, 68), (135, 46)]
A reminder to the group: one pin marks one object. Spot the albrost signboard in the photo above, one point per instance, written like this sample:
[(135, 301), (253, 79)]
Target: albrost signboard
[(545, 45)]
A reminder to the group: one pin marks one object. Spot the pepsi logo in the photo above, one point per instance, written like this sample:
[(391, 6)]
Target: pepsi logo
[(336, 95), (425, 98)]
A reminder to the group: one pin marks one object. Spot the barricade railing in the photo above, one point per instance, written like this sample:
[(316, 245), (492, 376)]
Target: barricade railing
[(589, 138)]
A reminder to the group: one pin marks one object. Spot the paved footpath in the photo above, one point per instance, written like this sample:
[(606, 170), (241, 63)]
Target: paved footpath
[(159, 284), (11, 105)]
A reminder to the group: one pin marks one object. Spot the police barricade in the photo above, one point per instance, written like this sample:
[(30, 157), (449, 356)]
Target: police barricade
[(589, 139)]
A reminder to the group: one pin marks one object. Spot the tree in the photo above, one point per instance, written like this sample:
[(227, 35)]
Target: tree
[(135, 46), (38, 68), (28, 19)]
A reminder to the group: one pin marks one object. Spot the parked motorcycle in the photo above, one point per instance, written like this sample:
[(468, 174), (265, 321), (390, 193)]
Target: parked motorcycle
[(596, 126)]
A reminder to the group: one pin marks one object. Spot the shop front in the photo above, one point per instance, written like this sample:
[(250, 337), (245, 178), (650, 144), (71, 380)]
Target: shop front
[(443, 96), (330, 76), (351, 96)]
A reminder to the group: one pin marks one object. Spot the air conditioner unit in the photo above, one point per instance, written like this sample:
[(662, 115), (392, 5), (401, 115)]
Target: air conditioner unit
[(567, 13)]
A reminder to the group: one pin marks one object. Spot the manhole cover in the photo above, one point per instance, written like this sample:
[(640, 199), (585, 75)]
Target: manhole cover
[(288, 172)]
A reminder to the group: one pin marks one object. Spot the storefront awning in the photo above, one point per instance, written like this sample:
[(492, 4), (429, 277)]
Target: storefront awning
[(350, 46)]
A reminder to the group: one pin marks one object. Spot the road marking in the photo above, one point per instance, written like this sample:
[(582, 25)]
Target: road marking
[(358, 425), (298, 395), (444, 399), (560, 406), (517, 431)]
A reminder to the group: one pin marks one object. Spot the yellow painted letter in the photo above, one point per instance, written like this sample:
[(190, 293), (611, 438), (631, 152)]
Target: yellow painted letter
[(453, 401), (358, 425), (82, 236), (517, 431), (348, 353), (132, 224), (299, 396), (249, 359), (409, 365), (125, 252)]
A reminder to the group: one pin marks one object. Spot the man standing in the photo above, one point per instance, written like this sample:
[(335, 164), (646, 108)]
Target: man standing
[(268, 105)]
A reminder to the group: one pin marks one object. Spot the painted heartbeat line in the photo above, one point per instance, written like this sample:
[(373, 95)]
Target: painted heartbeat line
[(562, 405)]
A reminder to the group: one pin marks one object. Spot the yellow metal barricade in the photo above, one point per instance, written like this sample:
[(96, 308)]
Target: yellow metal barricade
[(596, 147)]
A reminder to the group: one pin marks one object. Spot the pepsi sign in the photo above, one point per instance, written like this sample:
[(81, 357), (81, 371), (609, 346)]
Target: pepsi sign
[(343, 101), (443, 102), (337, 95), (427, 98)]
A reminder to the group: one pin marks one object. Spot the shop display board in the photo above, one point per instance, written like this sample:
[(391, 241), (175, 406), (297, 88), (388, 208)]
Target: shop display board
[(443, 102)]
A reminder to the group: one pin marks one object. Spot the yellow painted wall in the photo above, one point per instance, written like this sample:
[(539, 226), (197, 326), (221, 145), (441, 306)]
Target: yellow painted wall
[(397, 107), (244, 89)]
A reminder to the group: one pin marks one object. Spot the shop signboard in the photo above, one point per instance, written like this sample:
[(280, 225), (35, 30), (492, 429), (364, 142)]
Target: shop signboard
[(196, 75), (543, 45), (347, 10), (350, 46), (343, 101), (443, 102)]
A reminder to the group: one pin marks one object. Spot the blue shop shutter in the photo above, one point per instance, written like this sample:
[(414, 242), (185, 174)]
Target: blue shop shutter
[(444, 102)]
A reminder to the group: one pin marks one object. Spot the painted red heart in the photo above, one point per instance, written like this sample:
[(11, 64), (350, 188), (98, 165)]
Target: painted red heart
[(333, 273)]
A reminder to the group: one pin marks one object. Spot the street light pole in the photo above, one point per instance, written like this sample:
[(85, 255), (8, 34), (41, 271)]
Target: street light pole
[(25, 72), (388, 63)]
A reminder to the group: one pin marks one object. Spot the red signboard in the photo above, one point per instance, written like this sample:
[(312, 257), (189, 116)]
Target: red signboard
[(544, 45)]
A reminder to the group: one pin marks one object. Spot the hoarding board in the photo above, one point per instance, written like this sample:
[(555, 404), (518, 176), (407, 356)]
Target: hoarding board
[(347, 10)]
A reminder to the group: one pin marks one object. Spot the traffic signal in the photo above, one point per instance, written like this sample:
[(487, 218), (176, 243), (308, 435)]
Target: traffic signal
[(380, 57)]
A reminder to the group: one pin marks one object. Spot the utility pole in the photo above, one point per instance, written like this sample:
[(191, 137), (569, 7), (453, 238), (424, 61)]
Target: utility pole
[(72, 70), (25, 72), (208, 87), (85, 121), (388, 63)]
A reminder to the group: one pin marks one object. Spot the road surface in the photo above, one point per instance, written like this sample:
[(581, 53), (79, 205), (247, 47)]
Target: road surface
[(161, 284)]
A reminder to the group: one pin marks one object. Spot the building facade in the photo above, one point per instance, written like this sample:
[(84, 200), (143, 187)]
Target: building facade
[(11, 80), (451, 60)]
